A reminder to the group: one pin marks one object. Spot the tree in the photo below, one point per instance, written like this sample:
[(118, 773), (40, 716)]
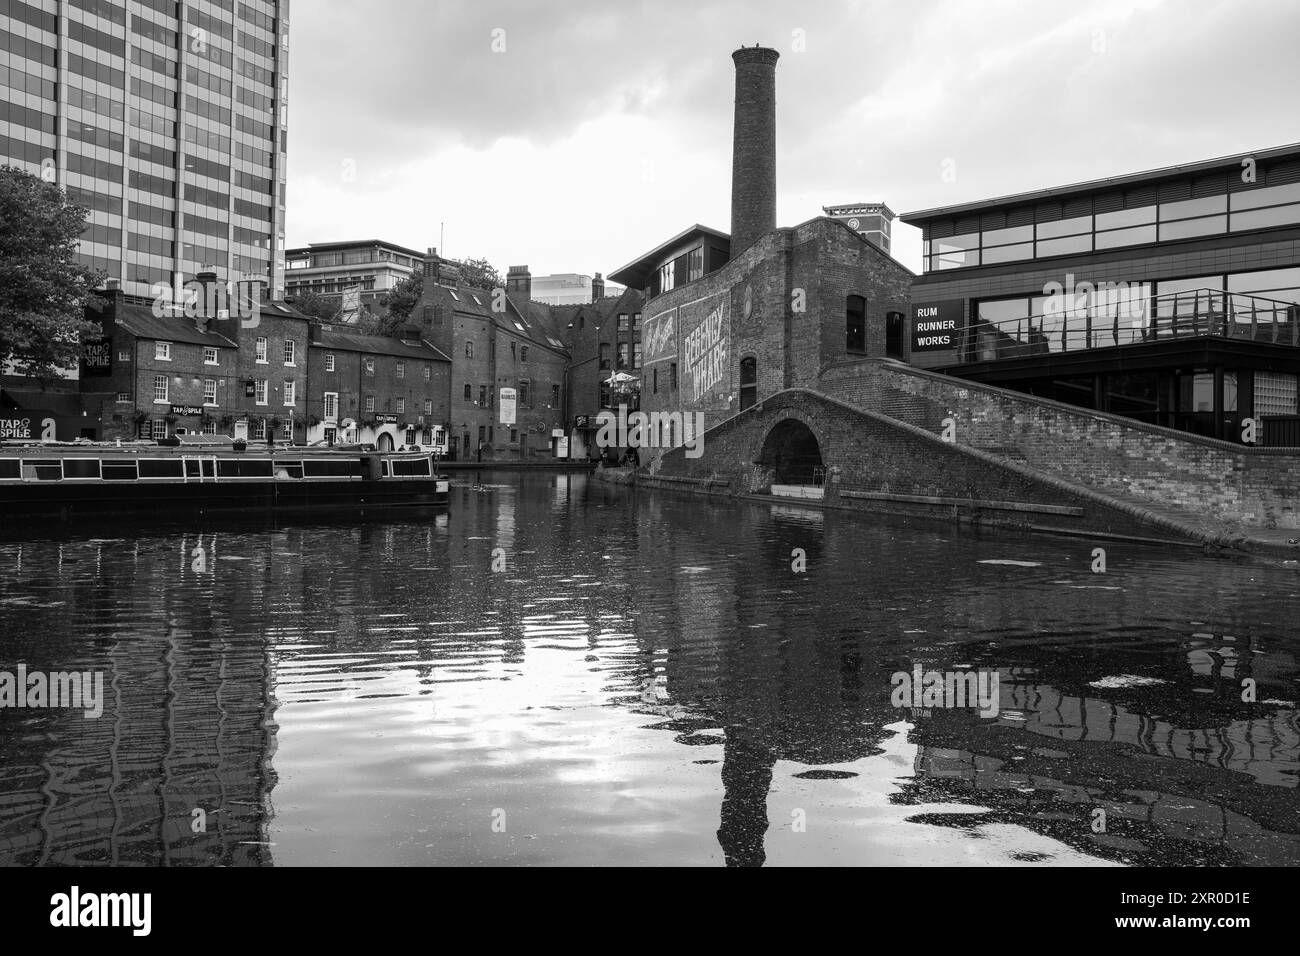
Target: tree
[(317, 306), (370, 324), (481, 274), (44, 288), (401, 300)]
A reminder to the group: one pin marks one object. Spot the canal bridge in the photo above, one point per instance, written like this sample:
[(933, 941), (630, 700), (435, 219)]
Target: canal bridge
[(878, 435)]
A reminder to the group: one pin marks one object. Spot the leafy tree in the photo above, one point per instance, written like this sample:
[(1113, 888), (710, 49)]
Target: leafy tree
[(371, 324), (44, 288), (318, 306), (401, 300), (481, 274)]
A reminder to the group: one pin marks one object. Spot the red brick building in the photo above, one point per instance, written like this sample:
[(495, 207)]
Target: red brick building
[(270, 375), (500, 343), (732, 320), (392, 393), (151, 376)]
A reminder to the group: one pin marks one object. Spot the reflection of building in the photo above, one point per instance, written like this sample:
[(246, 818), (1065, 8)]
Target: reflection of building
[(870, 220), (191, 175), (366, 271), (730, 320), (178, 767), (1171, 296), (1176, 821)]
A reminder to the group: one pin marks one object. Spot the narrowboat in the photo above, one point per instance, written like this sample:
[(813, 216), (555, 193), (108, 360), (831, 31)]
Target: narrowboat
[(85, 479)]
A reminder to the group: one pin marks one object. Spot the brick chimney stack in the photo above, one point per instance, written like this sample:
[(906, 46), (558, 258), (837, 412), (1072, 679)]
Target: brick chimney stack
[(209, 306), (597, 288), (519, 287), (753, 155)]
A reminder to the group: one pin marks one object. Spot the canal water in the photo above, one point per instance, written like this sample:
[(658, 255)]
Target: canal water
[(559, 671)]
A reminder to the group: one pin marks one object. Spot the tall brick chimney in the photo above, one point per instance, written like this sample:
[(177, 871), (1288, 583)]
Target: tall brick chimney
[(597, 288), (753, 154), (519, 287)]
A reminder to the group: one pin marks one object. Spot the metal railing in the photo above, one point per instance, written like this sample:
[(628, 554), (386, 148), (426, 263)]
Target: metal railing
[(1131, 321)]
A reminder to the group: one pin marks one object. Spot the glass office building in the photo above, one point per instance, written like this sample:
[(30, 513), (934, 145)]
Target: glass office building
[(167, 120), (1171, 296)]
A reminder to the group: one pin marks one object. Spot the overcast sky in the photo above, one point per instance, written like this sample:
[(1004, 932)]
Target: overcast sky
[(603, 127)]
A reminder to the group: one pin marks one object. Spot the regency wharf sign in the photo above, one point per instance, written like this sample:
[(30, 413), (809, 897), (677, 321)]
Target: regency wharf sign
[(704, 353)]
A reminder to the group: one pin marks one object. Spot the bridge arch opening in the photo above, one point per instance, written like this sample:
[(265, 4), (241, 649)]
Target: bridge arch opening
[(791, 453)]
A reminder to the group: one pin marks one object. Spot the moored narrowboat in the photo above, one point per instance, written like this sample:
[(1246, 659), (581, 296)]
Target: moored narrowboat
[(98, 478)]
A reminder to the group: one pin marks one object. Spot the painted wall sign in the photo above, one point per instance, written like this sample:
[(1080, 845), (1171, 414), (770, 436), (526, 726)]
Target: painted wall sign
[(937, 325), (97, 357), (659, 337), (187, 410), (386, 419), (507, 403), (705, 330)]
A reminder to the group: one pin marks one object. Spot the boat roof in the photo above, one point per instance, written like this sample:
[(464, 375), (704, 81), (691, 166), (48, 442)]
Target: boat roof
[(190, 448)]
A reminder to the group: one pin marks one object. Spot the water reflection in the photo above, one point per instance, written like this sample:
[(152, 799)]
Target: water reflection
[(646, 678)]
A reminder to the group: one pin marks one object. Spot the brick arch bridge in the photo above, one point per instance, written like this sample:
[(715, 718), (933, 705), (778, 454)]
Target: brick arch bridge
[(869, 461)]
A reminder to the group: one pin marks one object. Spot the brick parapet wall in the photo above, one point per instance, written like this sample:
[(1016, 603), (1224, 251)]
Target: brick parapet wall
[(1223, 483)]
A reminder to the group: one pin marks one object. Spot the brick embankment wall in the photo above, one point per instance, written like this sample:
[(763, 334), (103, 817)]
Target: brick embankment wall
[(1217, 484)]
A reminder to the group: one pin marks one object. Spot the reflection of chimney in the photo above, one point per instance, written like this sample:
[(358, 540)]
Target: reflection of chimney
[(597, 288), (519, 287), (753, 154)]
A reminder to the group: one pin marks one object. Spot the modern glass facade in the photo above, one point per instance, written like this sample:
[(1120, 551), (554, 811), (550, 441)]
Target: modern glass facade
[(371, 268), (1170, 296), (989, 239), (167, 120)]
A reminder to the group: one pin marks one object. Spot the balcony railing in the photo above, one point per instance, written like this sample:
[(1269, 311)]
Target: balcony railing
[(1132, 321)]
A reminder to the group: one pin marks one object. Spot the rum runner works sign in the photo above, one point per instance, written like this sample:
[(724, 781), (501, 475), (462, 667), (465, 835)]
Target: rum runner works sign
[(936, 326)]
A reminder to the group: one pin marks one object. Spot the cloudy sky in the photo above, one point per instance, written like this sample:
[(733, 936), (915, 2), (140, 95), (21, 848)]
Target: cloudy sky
[(575, 135)]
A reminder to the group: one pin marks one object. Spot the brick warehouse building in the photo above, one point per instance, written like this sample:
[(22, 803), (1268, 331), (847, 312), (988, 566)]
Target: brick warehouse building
[(1176, 299), (496, 340), (731, 320), (603, 338)]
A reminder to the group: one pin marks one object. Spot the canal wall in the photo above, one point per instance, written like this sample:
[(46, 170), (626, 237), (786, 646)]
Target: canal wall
[(880, 464), (1223, 485)]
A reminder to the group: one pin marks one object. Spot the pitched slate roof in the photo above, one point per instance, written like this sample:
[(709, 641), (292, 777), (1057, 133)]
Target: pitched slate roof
[(536, 323), (140, 321), (378, 345)]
